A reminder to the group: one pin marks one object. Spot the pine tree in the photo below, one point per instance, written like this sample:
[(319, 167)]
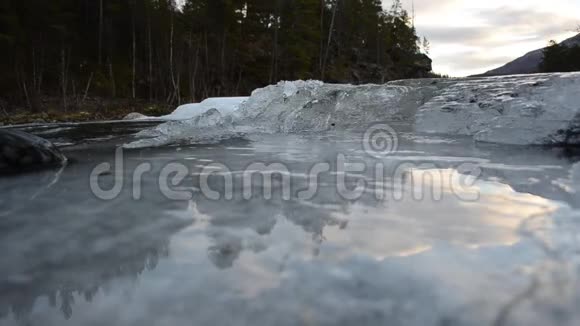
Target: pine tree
[(559, 58), (158, 51)]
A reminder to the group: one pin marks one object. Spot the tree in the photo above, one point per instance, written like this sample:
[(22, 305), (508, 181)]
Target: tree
[(425, 45), (559, 58), (158, 51)]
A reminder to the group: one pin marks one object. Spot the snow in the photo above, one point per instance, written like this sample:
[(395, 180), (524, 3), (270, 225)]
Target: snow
[(209, 127), (135, 116), (225, 105), (541, 109)]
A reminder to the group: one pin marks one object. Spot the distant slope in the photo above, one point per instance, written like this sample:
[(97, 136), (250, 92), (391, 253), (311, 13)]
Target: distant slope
[(529, 63)]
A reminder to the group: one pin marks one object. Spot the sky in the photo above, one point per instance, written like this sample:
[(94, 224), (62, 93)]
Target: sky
[(473, 36)]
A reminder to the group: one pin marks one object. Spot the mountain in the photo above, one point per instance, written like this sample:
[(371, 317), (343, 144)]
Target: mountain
[(529, 63)]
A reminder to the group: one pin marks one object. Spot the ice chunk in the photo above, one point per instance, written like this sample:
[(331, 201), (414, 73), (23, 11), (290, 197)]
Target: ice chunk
[(313, 106), (135, 116), (530, 109), (540, 109), (209, 127), (225, 105)]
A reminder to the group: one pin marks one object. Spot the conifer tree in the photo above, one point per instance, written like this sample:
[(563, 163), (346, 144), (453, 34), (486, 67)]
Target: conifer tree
[(157, 50)]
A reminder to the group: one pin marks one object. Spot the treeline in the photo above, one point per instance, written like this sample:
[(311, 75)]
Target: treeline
[(158, 50), (561, 58)]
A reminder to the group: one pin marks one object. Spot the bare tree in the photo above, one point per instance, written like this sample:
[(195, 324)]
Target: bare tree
[(321, 54), (134, 50), (87, 88), (100, 50), (28, 97), (150, 50), (3, 109), (330, 30), (193, 68), (171, 67), (276, 26), (63, 79)]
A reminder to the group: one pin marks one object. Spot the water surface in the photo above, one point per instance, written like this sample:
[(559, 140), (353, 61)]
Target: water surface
[(507, 258)]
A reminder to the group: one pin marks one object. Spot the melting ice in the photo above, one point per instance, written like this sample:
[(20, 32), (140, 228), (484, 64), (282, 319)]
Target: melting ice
[(524, 110)]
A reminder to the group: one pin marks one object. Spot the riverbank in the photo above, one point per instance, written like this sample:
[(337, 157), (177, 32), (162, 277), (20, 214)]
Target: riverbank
[(91, 109)]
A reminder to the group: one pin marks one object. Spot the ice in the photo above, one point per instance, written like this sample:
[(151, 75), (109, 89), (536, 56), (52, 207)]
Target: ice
[(313, 106), (225, 105), (209, 127), (301, 106), (71, 258), (539, 109), (136, 116)]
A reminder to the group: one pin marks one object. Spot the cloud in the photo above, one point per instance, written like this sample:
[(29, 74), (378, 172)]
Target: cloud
[(542, 23), (443, 34), (501, 24), (473, 61), (467, 39), (422, 6)]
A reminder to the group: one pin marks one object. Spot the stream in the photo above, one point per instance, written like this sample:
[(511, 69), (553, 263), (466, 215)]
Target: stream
[(407, 247)]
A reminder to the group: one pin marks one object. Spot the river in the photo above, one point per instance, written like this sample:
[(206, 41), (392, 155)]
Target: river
[(449, 233)]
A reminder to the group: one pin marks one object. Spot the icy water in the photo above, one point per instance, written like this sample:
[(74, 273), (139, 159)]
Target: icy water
[(411, 249)]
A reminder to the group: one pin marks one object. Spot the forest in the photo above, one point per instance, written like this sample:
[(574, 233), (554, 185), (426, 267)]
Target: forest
[(561, 58), (160, 51)]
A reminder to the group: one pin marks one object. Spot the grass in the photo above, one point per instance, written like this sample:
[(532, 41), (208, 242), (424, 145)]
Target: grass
[(93, 109)]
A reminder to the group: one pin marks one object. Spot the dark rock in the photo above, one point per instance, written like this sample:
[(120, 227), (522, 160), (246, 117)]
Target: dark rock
[(22, 152), (423, 63)]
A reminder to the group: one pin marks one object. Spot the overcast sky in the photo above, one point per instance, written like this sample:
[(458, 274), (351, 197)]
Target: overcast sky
[(473, 36)]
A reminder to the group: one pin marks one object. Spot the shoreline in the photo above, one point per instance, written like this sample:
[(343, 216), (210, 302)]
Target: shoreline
[(94, 109)]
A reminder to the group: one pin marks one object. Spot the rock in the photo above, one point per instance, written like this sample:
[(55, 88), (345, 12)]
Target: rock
[(423, 63), (21, 152), (135, 116)]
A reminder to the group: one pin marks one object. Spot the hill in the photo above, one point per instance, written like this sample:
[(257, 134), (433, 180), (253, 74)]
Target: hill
[(529, 63)]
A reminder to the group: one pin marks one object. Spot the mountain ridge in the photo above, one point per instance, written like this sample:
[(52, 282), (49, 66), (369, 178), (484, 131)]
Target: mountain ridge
[(528, 63)]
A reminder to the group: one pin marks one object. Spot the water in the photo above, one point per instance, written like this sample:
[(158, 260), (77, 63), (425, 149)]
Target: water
[(507, 258)]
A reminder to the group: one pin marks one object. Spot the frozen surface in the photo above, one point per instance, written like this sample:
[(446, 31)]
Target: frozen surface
[(508, 258), (520, 110)]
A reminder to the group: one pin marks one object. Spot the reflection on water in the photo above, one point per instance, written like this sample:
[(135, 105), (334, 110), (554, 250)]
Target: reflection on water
[(69, 258)]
